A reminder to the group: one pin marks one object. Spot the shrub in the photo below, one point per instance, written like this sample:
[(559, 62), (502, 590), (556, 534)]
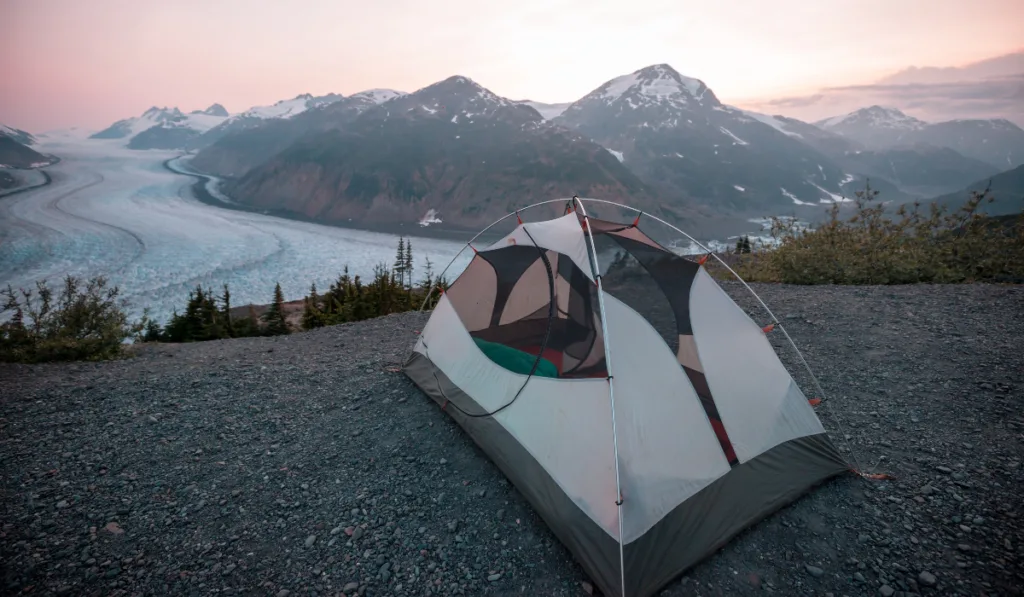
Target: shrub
[(917, 246), (80, 323)]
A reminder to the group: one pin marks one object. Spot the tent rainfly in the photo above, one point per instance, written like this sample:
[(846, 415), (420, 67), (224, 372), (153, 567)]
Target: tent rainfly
[(642, 465)]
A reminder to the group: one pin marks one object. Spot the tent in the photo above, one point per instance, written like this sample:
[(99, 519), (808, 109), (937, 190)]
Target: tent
[(641, 412)]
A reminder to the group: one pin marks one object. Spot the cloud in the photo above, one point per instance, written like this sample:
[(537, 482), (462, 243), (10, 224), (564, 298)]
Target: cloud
[(995, 97)]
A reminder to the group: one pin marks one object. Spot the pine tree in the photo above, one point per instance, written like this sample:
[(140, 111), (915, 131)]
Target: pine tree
[(399, 266), (746, 244), (275, 317), (225, 299), (312, 316), (407, 265)]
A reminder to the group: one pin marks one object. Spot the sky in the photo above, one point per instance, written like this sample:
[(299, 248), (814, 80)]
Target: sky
[(88, 63)]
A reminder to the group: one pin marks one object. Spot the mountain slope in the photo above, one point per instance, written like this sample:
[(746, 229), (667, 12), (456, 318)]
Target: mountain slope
[(1007, 190), (15, 154), (163, 128), (998, 142), (452, 151), (259, 115), (678, 136), (925, 170), (254, 141), (17, 134)]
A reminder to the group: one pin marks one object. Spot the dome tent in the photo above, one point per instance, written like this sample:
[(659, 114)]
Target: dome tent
[(646, 427)]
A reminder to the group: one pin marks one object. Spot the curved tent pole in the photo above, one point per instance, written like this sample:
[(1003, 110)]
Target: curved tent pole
[(477, 235), (611, 383), (775, 320)]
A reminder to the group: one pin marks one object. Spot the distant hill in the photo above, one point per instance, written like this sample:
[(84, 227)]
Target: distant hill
[(996, 141), (1007, 190), (15, 152)]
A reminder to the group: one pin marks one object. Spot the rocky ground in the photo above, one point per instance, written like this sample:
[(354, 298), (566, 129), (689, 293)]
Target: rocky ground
[(306, 465)]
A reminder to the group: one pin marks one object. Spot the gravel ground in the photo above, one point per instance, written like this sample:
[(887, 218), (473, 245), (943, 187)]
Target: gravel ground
[(305, 465)]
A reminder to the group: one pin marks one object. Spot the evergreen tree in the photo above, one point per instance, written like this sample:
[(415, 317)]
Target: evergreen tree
[(407, 266), (399, 267), (746, 244), (225, 299), (312, 316), (275, 317)]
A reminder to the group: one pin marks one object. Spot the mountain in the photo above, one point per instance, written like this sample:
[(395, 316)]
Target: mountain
[(921, 169), (259, 115), (237, 151), (547, 111), (452, 152), (875, 126), (675, 134), (15, 153), (1007, 190), (996, 141), (17, 134), (163, 128), (214, 110)]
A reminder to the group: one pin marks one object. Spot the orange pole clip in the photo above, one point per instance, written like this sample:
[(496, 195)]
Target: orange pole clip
[(637, 220), (474, 249), (703, 259), (768, 328), (518, 218), (814, 401)]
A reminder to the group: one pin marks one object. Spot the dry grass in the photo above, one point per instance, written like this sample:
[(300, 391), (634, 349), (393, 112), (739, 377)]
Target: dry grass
[(932, 245)]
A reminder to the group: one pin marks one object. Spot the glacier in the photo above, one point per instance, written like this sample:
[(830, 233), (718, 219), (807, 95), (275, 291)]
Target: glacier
[(120, 213)]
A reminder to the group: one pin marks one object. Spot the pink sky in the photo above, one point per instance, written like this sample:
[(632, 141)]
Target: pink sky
[(88, 63)]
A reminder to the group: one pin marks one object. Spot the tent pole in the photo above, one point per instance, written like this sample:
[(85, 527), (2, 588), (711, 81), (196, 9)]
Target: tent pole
[(775, 320), (430, 292), (611, 385)]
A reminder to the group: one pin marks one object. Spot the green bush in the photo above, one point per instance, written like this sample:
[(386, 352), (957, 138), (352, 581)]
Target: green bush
[(80, 323), (868, 247)]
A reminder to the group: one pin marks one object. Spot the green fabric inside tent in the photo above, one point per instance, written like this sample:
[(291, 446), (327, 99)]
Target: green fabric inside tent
[(516, 360)]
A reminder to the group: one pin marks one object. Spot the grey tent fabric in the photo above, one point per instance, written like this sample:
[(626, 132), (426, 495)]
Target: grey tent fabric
[(666, 489)]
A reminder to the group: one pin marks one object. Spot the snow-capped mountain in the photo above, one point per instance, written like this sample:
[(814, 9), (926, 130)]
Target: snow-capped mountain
[(163, 128), (875, 126), (18, 135), (213, 110), (258, 115), (673, 131), (452, 152), (241, 144), (996, 141), (16, 153)]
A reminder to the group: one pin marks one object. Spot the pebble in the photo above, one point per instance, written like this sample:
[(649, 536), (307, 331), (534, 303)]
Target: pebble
[(814, 570), (310, 540), (886, 591), (926, 578)]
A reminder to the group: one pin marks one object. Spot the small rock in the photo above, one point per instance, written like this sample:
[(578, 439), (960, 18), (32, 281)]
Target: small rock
[(62, 504), (283, 593), (926, 578), (859, 577), (310, 540), (352, 586), (886, 591), (587, 588), (814, 570), (493, 577)]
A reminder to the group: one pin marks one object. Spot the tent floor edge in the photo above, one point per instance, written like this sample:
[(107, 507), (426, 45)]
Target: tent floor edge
[(594, 549), (734, 503)]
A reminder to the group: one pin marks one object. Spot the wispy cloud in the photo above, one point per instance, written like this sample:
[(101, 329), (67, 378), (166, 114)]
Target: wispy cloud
[(988, 89)]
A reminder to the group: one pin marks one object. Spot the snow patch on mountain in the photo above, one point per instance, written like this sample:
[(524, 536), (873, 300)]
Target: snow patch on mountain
[(736, 140), (876, 117), (17, 134), (656, 84), (378, 96), (793, 197), (771, 121)]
